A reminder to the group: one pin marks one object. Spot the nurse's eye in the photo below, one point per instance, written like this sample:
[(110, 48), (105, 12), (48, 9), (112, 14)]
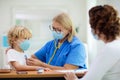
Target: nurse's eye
[(26, 38), (57, 30), (52, 28)]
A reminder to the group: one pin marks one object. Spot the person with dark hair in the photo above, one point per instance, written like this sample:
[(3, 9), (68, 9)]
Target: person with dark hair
[(105, 25)]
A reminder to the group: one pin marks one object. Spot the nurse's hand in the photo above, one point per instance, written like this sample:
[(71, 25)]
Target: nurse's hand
[(33, 61), (70, 76)]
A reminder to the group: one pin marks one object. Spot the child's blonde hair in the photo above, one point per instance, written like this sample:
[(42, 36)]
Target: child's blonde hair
[(16, 33)]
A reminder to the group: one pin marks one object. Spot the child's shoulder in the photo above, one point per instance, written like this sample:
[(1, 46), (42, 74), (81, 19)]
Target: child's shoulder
[(11, 50)]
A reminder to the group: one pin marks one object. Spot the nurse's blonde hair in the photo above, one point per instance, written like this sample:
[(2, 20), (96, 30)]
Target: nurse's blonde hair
[(18, 32), (64, 20)]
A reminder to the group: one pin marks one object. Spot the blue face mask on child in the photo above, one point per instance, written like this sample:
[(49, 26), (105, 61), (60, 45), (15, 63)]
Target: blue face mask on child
[(25, 45), (58, 35)]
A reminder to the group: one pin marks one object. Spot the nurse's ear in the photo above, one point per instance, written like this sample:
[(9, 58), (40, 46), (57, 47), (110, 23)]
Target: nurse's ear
[(69, 32)]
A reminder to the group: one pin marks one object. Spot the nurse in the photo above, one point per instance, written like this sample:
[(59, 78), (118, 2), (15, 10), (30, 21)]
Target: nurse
[(66, 51)]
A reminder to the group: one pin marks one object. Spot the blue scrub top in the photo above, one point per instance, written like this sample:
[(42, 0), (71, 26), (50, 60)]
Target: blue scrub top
[(69, 53)]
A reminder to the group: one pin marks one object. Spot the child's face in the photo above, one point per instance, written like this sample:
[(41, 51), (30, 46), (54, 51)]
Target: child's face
[(18, 41)]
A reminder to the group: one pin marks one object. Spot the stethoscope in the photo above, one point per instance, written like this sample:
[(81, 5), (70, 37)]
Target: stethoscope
[(56, 48)]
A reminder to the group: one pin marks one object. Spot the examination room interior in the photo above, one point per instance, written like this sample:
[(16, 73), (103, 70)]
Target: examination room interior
[(37, 16)]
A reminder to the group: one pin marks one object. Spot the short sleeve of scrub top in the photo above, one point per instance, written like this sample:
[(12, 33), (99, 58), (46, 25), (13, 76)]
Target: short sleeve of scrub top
[(41, 54), (77, 55)]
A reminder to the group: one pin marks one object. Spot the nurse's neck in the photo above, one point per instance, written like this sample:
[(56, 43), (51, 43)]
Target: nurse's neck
[(62, 40)]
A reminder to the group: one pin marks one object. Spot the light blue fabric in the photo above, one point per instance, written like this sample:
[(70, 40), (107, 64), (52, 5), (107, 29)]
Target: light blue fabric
[(69, 53), (5, 41)]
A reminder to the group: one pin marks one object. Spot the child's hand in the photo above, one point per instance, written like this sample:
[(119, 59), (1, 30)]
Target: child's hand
[(33, 62)]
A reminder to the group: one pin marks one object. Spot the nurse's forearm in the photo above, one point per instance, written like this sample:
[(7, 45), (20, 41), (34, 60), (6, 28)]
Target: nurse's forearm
[(66, 66), (52, 67)]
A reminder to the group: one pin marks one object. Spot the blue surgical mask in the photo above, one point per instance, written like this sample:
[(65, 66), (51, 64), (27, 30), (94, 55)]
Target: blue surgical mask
[(95, 36), (58, 35), (25, 45)]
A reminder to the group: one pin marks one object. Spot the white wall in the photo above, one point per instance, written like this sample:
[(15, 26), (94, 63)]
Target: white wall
[(92, 43)]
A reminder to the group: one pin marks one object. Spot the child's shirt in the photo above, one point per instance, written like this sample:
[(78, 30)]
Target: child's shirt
[(13, 55)]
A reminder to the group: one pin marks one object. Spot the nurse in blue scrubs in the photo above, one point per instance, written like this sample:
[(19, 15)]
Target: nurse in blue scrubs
[(66, 51)]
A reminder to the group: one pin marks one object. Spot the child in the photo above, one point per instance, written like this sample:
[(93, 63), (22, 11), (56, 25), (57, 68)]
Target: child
[(18, 39)]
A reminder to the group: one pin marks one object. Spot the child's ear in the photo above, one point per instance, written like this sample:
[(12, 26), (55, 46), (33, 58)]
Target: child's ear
[(15, 41)]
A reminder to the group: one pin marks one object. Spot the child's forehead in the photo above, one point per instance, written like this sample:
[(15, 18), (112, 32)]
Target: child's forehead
[(24, 36)]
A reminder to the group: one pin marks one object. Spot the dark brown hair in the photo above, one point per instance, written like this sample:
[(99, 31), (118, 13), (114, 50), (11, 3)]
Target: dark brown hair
[(105, 20)]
